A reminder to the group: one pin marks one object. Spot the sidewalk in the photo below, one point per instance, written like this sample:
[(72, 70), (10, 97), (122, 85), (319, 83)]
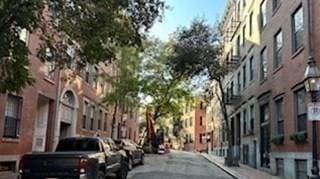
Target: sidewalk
[(242, 172)]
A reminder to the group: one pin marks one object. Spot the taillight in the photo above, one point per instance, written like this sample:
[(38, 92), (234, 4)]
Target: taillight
[(83, 165)]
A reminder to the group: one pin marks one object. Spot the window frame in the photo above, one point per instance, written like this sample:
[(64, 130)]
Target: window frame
[(244, 76), (278, 50), (263, 14), (302, 116), (251, 68), (279, 115), (250, 23), (17, 118), (263, 64), (295, 48), (276, 4)]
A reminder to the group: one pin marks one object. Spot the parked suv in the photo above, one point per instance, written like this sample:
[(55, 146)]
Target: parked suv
[(76, 157), (133, 151)]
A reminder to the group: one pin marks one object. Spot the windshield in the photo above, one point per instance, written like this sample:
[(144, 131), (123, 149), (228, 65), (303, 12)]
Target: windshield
[(78, 145)]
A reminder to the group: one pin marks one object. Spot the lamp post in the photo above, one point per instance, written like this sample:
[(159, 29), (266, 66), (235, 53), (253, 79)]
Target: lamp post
[(312, 84)]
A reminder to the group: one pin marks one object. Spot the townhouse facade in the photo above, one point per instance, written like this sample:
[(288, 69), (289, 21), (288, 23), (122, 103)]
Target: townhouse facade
[(61, 103), (194, 126), (266, 47)]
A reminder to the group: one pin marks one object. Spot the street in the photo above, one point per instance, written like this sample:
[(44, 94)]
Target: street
[(177, 165)]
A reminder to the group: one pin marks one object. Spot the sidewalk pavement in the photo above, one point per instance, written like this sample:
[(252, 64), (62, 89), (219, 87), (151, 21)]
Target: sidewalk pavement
[(242, 172)]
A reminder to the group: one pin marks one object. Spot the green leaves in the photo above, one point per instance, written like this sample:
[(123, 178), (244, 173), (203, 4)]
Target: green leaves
[(165, 89), (196, 51), (94, 29)]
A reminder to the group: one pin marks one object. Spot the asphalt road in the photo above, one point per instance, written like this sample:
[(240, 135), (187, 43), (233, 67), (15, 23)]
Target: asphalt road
[(177, 165)]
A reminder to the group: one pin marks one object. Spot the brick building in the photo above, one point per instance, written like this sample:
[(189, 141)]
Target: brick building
[(194, 124), (30, 112), (267, 44), (61, 103)]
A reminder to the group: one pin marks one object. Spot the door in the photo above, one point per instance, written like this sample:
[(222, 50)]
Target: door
[(40, 129), (265, 136)]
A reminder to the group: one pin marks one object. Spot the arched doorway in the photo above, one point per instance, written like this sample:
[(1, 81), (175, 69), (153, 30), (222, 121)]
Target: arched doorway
[(68, 114)]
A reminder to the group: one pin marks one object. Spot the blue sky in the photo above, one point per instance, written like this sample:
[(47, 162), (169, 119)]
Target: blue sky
[(182, 12)]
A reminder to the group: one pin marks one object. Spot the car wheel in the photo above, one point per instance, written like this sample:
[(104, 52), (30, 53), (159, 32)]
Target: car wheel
[(142, 160), (130, 163), (123, 170), (101, 175)]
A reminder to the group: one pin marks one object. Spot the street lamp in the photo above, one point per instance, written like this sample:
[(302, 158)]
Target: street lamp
[(312, 84)]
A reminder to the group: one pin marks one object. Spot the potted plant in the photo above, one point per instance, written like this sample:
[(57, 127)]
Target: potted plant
[(278, 140), (299, 137)]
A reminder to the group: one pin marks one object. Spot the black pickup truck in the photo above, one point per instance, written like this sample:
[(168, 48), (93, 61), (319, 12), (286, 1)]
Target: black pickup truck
[(77, 157)]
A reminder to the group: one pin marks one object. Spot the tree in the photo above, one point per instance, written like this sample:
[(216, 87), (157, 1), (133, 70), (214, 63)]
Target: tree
[(196, 54), (125, 84), (164, 90), (94, 29)]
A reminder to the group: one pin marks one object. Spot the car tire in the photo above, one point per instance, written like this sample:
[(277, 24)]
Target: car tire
[(101, 175), (130, 164), (142, 160), (122, 173)]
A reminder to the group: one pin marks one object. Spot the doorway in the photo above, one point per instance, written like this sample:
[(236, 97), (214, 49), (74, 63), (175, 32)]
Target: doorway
[(41, 124)]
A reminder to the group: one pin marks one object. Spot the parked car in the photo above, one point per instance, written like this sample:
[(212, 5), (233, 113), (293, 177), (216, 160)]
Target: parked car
[(134, 152), (76, 157), (161, 149)]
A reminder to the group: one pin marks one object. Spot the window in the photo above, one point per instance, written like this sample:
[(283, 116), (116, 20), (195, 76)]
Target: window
[(301, 110), (239, 9), (203, 138), (24, 36), (190, 121), (243, 35), (85, 115), (92, 117), (244, 122), (100, 116), (250, 23), (263, 14), (244, 76), (297, 29), (301, 169), (186, 123), (278, 43), (105, 122), (12, 116), (264, 64), (201, 122), (279, 117), (244, 3), (239, 83), (201, 105), (276, 4), (245, 154), (238, 46), (251, 68), (49, 69), (280, 167), (251, 128), (87, 73), (95, 77)]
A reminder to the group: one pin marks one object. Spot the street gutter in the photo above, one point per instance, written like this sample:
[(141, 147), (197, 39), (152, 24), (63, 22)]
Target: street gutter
[(229, 171)]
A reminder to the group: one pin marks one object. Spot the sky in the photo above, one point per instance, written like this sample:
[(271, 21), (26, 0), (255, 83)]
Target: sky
[(182, 12)]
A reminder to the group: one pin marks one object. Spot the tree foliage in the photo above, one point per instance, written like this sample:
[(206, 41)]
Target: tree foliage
[(196, 53), (95, 29), (163, 89)]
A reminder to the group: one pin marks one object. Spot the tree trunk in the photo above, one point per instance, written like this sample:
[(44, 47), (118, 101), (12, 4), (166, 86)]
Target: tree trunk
[(114, 117), (229, 161)]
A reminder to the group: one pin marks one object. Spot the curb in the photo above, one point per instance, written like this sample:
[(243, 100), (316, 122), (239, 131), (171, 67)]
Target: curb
[(224, 168)]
